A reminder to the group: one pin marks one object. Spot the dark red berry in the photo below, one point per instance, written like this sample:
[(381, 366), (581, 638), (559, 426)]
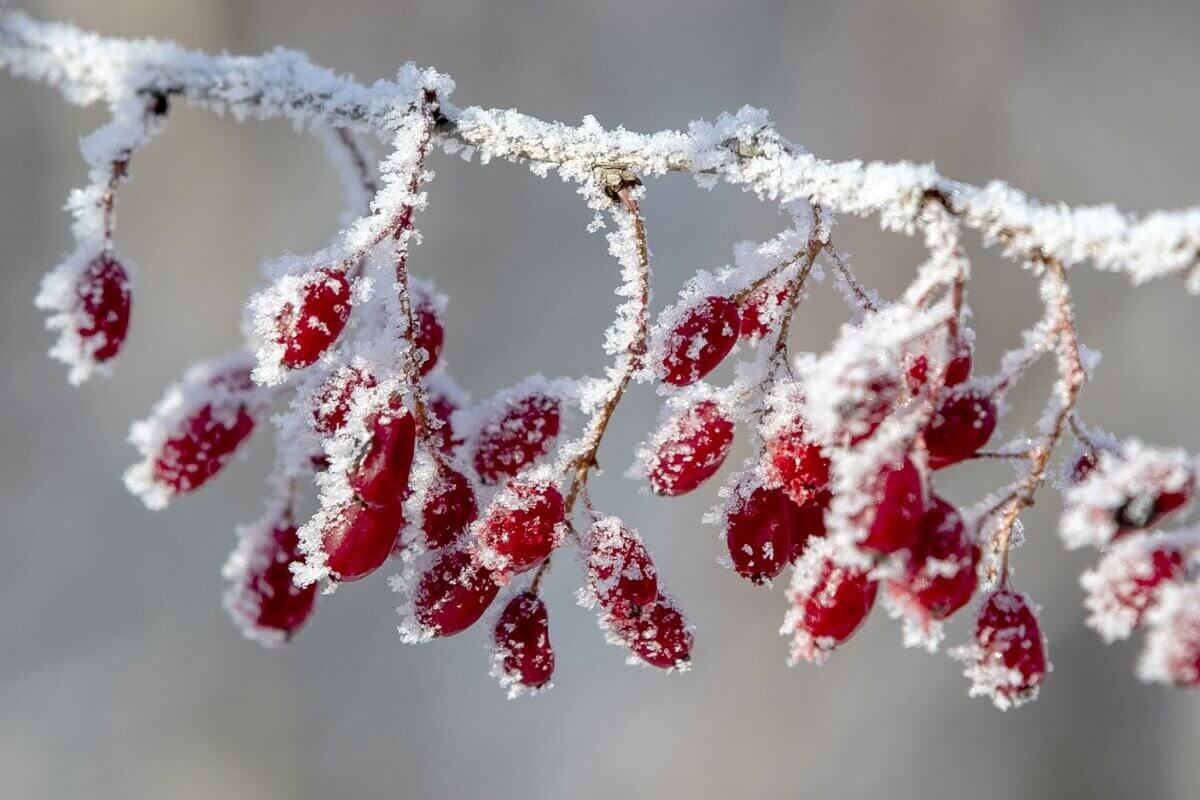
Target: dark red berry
[(808, 522), (449, 508), (203, 443), (331, 403), (104, 298), (797, 463), (520, 432), (962, 424), (758, 533), (267, 600), (620, 572), (693, 447), (659, 635), (959, 367), (700, 341), (430, 334), (306, 328), (1126, 584), (522, 641), (453, 593), (380, 478), (757, 309), (942, 569), (521, 526), (829, 602), (357, 539), (1009, 657), (900, 503), (1083, 467)]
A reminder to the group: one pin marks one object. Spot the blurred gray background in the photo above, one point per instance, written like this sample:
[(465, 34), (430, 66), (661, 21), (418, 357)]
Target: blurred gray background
[(120, 676)]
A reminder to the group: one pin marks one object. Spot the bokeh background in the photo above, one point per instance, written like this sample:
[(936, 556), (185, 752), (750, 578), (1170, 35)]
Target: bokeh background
[(120, 676)]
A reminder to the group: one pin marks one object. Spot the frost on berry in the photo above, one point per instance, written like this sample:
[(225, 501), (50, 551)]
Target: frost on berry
[(808, 522), (760, 309), (1006, 659), (522, 525), (892, 523), (620, 573), (429, 333), (194, 430), (758, 531), (827, 603), (797, 463), (1172, 650), (356, 539), (448, 597), (262, 599), (687, 449), (298, 318), (522, 656), (940, 576), (961, 425), (447, 507), (658, 635), (1131, 488), (515, 429), (444, 398), (1127, 581), (89, 299), (698, 340), (332, 400), (380, 475), (920, 370)]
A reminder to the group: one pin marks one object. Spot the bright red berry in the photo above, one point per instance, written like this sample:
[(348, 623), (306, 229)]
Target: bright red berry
[(757, 309), (959, 367), (449, 508), (307, 326), (429, 333), (332, 400), (1007, 661), (380, 478), (758, 533), (828, 603), (797, 463), (942, 568), (900, 503), (524, 655), (453, 593), (265, 601), (521, 526), (1126, 584), (691, 448), (962, 424), (204, 442), (620, 572), (520, 432), (357, 539), (700, 341), (102, 311), (659, 635)]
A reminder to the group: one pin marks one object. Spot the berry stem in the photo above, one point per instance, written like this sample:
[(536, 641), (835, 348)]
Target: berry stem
[(856, 288), (795, 290)]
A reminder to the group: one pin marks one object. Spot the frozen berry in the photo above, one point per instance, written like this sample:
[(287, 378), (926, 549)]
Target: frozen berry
[(808, 522), (449, 508), (453, 593), (202, 444), (962, 424), (620, 572), (659, 635), (941, 575), (900, 503), (758, 533), (827, 604), (357, 539), (442, 406), (516, 435), (1126, 583), (264, 599), (429, 333), (1007, 659), (700, 341), (332, 400), (102, 311), (758, 310), (523, 652), (307, 326), (380, 477), (797, 463), (691, 449), (521, 526)]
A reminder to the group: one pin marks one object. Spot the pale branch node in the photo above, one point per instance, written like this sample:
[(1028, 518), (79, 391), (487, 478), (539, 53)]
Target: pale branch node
[(473, 500)]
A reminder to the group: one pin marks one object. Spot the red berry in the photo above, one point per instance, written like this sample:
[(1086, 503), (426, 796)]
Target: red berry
[(797, 463), (453, 593), (1126, 584), (1083, 467), (693, 447), (757, 309), (522, 640), (700, 341), (659, 635), (1148, 509), (942, 568), (828, 601), (357, 539), (620, 572), (758, 532), (306, 330), (449, 508), (441, 406), (331, 403), (900, 503), (1008, 660), (959, 367), (104, 298), (517, 435), (808, 522), (521, 526), (380, 478), (1172, 653), (429, 333), (203, 443), (962, 424), (266, 601)]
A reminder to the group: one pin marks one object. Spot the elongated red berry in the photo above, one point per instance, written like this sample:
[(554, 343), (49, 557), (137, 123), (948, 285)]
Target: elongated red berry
[(758, 533), (659, 635), (900, 503), (523, 653), (202, 444), (941, 575), (700, 341), (758, 309), (104, 297), (690, 449), (263, 600), (307, 326), (808, 522), (620, 572), (357, 539), (1007, 658), (1127, 582), (521, 526), (380, 478), (449, 508), (429, 332), (453, 593), (515, 435), (331, 402), (798, 463), (827, 604), (962, 424)]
